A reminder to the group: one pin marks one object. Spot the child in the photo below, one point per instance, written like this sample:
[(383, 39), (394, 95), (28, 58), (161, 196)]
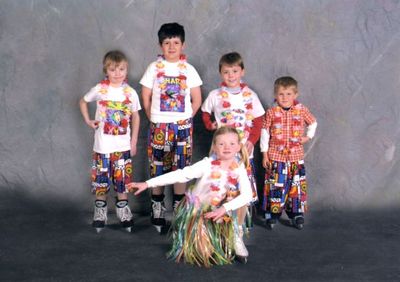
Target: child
[(222, 187), (171, 97), (235, 104), (282, 139), (114, 141)]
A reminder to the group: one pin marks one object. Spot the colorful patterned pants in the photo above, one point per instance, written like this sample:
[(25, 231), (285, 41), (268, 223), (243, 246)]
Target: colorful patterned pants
[(115, 168), (169, 146), (285, 188)]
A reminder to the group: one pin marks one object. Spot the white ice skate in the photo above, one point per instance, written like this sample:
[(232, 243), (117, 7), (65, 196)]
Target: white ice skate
[(124, 214), (100, 215), (241, 252), (158, 216)]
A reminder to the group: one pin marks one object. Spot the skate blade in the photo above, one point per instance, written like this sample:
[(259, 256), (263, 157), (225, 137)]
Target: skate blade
[(99, 229), (128, 229), (161, 229)]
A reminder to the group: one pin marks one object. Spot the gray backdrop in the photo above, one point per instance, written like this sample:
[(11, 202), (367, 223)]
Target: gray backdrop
[(345, 55)]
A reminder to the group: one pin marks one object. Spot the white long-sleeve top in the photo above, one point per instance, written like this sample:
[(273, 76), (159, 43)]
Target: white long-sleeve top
[(201, 171)]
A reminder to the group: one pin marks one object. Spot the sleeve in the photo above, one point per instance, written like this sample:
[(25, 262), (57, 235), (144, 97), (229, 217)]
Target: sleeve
[(208, 104), (256, 130), (308, 116), (264, 140), (245, 192), (147, 79), (135, 101), (181, 175), (193, 79), (311, 130), (91, 96), (206, 117)]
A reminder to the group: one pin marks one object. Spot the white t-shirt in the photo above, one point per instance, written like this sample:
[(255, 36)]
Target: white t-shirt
[(113, 111), (235, 113), (202, 189), (161, 110)]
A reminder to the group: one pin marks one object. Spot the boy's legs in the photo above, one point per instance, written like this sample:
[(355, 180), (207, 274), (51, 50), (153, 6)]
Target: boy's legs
[(296, 203), (100, 187), (170, 148), (121, 173), (275, 191)]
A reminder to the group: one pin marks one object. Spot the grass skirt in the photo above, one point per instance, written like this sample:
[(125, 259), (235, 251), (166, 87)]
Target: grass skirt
[(200, 241)]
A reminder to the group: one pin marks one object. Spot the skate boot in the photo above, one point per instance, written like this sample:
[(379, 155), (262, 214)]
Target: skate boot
[(158, 216), (124, 214), (270, 222), (241, 252), (100, 215), (298, 222)]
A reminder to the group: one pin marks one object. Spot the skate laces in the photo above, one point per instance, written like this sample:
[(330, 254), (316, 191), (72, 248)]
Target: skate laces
[(100, 214), (158, 209), (125, 214)]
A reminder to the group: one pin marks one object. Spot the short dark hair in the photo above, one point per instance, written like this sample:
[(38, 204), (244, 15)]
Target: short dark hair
[(231, 59), (169, 30), (114, 56), (285, 81)]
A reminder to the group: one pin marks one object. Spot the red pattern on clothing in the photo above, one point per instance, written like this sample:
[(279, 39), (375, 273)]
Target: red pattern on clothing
[(285, 129)]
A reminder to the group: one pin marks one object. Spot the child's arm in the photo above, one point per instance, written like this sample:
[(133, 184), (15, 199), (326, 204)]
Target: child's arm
[(135, 121), (311, 125), (208, 123), (146, 99), (85, 113), (178, 176), (254, 134), (195, 94), (264, 145)]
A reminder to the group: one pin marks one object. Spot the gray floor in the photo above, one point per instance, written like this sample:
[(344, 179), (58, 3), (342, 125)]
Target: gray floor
[(55, 242)]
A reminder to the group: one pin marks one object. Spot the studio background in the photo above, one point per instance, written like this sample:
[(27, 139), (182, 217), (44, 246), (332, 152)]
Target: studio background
[(344, 54)]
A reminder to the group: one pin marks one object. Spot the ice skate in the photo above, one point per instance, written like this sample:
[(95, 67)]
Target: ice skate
[(158, 216), (270, 223), (298, 222), (124, 214), (241, 253), (100, 215)]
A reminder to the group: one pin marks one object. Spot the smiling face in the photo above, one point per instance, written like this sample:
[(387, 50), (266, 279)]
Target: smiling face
[(172, 49), (226, 146), (231, 75), (285, 96), (117, 73)]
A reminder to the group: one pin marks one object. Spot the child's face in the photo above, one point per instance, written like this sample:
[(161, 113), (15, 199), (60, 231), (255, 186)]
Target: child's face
[(117, 73), (226, 146), (285, 96), (231, 75), (172, 48)]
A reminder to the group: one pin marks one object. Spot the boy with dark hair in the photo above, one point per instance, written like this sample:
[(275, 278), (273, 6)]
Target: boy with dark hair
[(171, 97)]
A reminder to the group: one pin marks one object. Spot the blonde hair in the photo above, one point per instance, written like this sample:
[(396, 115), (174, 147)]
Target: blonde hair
[(113, 57), (244, 156)]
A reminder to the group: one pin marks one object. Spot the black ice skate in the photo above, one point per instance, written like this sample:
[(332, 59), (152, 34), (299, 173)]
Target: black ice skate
[(298, 222), (270, 223)]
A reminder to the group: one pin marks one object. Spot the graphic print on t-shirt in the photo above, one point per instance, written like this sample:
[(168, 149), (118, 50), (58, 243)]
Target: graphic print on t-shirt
[(115, 116), (171, 99)]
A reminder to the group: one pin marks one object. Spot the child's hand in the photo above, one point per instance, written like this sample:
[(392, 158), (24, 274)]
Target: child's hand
[(249, 147), (93, 123), (217, 214), (139, 186), (265, 161), (304, 139), (214, 125)]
